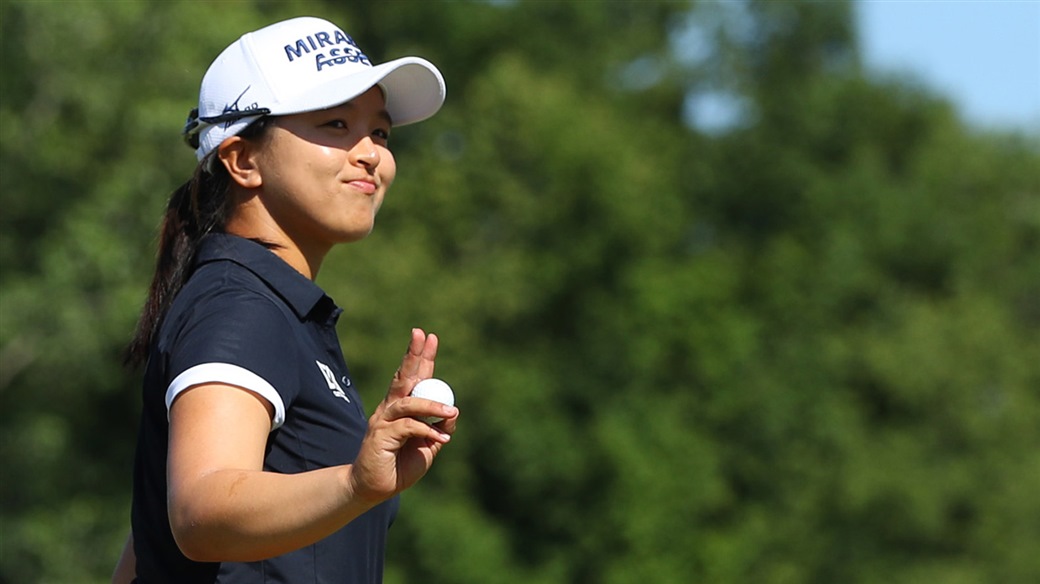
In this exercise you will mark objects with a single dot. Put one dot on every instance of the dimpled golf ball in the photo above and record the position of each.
(436, 390)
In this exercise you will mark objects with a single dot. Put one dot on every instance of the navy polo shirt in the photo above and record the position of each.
(248, 319)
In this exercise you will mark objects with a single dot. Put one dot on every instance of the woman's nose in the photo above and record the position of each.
(365, 153)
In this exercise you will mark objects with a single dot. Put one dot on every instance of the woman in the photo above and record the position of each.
(255, 462)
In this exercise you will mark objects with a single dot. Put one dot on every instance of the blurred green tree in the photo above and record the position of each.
(799, 346)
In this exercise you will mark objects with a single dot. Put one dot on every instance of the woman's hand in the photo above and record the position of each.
(398, 448)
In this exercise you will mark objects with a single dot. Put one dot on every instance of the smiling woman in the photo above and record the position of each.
(314, 180)
(255, 461)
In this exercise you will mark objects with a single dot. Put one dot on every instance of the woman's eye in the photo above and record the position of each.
(338, 124)
(381, 134)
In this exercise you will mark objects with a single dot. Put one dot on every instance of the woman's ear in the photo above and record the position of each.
(238, 156)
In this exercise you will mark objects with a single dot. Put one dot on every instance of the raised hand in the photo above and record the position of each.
(399, 448)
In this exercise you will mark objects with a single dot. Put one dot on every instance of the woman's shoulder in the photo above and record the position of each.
(225, 292)
(222, 278)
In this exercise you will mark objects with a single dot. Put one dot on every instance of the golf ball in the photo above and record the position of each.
(436, 390)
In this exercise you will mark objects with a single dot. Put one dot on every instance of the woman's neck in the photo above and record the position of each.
(251, 221)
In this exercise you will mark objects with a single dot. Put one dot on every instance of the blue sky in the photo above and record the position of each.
(983, 55)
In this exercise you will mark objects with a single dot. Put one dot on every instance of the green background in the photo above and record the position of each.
(804, 349)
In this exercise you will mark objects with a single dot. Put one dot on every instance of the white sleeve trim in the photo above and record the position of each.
(231, 375)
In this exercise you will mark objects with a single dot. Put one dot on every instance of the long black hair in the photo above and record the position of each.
(196, 208)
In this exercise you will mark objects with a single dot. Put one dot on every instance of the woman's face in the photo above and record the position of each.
(324, 173)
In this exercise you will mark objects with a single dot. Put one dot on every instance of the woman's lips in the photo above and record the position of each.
(365, 186)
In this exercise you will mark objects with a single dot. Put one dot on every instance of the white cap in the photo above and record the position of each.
(301, 65)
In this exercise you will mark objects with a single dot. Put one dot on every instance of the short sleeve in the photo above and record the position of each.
(236, 337)
(228, 374)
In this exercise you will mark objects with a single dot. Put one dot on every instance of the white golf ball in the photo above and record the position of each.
(436, 390)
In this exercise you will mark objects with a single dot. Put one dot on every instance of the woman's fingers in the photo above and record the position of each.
(421, 409)
(417, 364)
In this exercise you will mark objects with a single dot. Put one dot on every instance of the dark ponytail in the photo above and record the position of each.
(198, 207)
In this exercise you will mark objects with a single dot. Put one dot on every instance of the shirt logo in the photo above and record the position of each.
(330, 379)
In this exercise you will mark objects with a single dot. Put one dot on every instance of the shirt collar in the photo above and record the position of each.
(305, 297)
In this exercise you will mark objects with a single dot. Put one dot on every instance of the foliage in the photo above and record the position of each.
(801, 348)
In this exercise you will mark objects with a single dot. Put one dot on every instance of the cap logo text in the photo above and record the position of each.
(337, 54)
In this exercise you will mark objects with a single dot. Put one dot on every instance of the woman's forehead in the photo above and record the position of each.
(370, 102)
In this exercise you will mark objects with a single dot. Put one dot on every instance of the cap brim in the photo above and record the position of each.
(413, 87)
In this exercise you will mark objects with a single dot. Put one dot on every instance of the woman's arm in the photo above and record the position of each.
(224, 507)
(126, 568)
